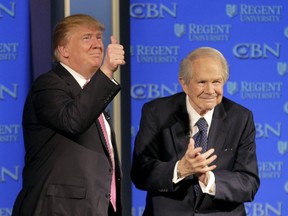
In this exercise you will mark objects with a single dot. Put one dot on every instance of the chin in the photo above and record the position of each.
(210, 106)
(96, 65)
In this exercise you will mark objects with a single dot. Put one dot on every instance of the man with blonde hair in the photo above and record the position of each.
(71, 163)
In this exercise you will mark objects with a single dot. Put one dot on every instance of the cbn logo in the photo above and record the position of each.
(264, 209)
(152, 10)
(9, 10)
(256, 50)
(13, 173)
(12, 92)
(151, 91)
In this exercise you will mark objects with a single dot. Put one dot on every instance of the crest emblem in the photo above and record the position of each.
(231, 10)
(286, 32)
(179, 29)
(282, 68)
(232, 87)
(286, 107)
(282, 147)
(131, 50)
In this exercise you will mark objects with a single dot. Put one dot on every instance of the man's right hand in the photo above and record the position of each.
(195, 163)
(113, 58)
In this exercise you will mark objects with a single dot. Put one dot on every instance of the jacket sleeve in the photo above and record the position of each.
(153, 159)
(59, 106)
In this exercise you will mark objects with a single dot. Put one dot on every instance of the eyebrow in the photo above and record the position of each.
(90, 33)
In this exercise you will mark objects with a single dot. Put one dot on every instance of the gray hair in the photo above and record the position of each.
(186, 69)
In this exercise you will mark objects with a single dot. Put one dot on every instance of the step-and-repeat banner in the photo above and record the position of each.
(14, 82)
(253, 36)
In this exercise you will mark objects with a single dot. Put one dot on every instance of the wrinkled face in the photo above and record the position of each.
(205, 89)
(84, 50)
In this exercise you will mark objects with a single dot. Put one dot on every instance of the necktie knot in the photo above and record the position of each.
(202, 124)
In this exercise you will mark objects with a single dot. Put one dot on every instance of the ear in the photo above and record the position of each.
(63, 51)
(183, 84)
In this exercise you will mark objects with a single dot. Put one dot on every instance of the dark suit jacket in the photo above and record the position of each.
(163, 139)
(67, 167)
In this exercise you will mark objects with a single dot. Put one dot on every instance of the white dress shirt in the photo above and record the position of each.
(193, 118)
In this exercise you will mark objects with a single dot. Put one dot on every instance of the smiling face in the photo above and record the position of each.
(83, 50)
(205, 88)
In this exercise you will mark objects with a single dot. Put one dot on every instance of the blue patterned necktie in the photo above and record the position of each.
(200, 139)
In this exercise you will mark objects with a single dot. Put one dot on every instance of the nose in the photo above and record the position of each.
(96, 42)
(209, 88)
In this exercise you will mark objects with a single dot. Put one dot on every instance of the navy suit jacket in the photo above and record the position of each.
(162, 140)
(67, 166)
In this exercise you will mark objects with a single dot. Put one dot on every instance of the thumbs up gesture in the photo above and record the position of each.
(113, 58)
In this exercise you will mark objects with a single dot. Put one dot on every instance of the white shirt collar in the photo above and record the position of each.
(194, 117)
(78, 77)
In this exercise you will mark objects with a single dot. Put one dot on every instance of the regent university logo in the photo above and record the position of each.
(282, 147)
(179, 29)
(231, 10)
(282, 68)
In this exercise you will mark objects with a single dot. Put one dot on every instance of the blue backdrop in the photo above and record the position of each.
(14, 82)
(253, 36)
(16, 73)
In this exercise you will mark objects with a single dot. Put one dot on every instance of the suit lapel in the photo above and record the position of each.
(74, 87)
(216, 137)
(217, 132)
(180, 129)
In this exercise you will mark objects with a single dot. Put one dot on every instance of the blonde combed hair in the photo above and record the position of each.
(64, 28)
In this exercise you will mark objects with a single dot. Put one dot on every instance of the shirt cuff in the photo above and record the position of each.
(210, 188)
(175, 179)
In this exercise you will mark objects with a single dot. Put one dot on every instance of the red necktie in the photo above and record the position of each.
(113, 183)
